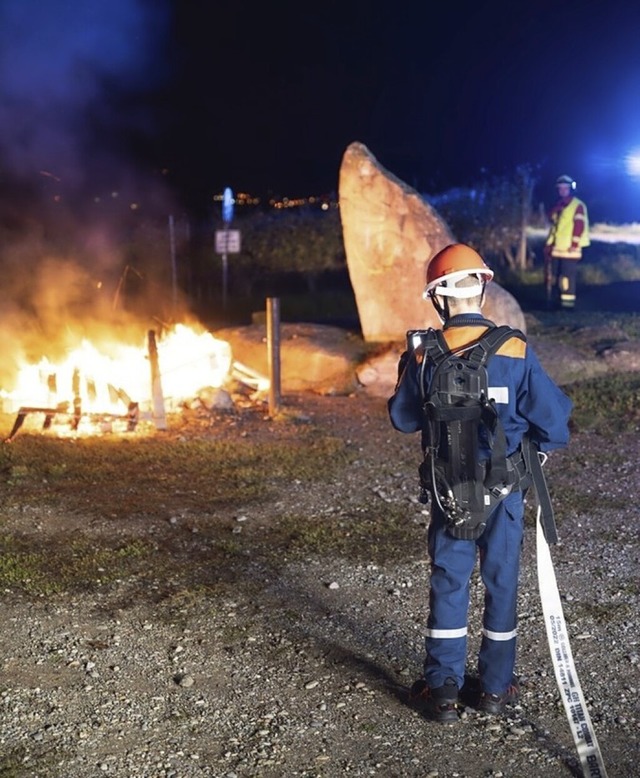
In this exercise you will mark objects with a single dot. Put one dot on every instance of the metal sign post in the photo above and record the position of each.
(227, 242)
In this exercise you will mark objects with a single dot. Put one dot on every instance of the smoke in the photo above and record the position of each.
(78, 87)
(66, 66)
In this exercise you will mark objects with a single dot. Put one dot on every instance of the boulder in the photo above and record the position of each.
(390, 233)
(378, 373)
(314, 358)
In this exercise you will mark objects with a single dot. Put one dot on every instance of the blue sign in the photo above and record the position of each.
(227, 205)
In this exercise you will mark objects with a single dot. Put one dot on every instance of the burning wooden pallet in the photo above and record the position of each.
(74, 413)
(75, 416)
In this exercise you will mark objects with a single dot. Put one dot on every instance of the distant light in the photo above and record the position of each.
(134, 206)
(227, 205)
(325, 206)
(632, 163)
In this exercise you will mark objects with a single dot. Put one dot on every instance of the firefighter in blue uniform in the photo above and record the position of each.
(528, 403)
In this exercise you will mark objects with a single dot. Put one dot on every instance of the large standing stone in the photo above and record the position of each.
(390, 233)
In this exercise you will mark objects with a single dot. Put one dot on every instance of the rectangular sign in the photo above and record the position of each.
(227, 241)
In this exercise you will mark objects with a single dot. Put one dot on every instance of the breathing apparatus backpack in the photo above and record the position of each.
(460, 424)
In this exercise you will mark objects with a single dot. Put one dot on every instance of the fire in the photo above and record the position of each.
(94, 382)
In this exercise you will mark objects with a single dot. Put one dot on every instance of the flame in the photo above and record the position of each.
(100, 383)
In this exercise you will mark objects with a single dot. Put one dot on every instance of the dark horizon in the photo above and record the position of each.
(174, 101)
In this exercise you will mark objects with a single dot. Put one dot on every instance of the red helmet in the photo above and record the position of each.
(450, 265)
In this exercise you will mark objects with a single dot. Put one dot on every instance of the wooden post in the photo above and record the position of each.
(157, 398)
(273, 353)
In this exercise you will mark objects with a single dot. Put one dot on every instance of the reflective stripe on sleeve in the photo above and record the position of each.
(499, 635)
(447, 633)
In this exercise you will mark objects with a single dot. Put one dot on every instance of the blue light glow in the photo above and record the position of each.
(632, 163)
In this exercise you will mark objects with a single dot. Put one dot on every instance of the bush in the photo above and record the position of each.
(492, 216)
(603, 268)
(279, 245)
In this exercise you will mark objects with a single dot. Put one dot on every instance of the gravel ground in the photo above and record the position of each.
(302, 668)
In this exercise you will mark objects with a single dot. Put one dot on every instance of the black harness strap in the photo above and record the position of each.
(489, 344)
(534, 467)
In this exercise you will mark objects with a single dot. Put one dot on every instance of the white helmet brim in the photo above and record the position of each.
(446, 287)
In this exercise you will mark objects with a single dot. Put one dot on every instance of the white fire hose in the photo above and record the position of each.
(575, 707)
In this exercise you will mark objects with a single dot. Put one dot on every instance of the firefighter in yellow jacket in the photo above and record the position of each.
(568, 235)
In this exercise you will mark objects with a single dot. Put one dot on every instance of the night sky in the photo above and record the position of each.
(265, 97)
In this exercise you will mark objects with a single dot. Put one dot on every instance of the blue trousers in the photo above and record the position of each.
(452, 563)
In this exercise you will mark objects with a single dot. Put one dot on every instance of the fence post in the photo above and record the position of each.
(273, 353)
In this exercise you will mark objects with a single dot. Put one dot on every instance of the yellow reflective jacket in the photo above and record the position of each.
(565, 237)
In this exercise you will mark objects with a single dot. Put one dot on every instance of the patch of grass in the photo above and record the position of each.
(368, 535)
(629, 589)
(11, 764)
(132, 487)
(569, 326)
(358, 534)
(607, 404)
(44, 764)
(24, 570)
(569, 464)
(568, 501)
(75, 566)
(600, 613)
(115, 476)
(608, 264)
(629, 324)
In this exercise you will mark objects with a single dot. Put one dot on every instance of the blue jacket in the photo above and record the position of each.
(527, 400)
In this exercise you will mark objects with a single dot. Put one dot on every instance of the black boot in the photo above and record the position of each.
(439, 703)
(494, 704)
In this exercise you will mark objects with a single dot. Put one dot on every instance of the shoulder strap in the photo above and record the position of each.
(491, 341)
(488, 344)
(436, 348)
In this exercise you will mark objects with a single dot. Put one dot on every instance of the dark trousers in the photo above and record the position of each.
(565, 272)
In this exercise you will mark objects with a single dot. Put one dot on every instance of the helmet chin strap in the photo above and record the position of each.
(442, 308)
